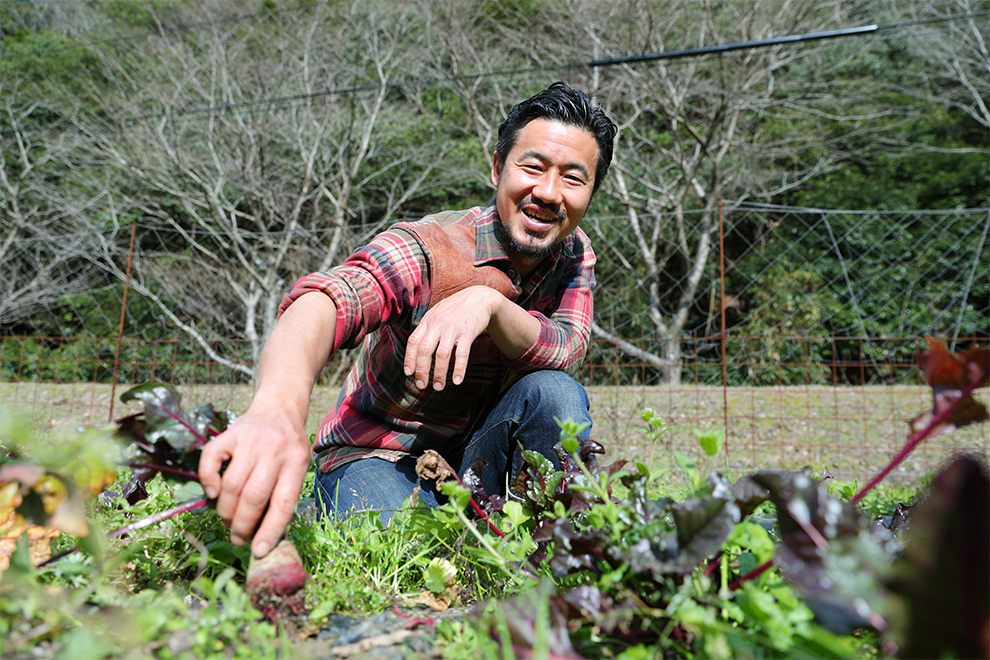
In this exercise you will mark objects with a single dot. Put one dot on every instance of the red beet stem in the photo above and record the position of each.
(753, 574)
(477, 508)
(913, 441)
(164, 468)
(158, 517)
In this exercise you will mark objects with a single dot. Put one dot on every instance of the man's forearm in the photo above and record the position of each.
(266, 450)
(512, 328)
(296, 352)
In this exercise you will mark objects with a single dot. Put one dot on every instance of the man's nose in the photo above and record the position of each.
(548, 188)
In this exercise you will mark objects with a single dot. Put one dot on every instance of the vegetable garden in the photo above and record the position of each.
(169, 167)
(117, 554)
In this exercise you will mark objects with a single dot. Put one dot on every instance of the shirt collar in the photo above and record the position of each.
(487, 247)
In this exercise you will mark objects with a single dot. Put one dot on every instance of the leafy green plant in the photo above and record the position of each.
(647, 576)
(583, 561)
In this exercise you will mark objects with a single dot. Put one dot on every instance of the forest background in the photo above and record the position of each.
(823, 201)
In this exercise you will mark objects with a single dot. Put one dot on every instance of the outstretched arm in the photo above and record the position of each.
(268, 449)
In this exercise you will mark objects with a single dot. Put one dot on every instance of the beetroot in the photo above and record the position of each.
(276, 582)
(169, 441)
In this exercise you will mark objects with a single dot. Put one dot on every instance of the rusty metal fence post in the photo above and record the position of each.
(120, 329)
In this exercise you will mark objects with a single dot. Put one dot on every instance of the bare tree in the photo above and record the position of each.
(261, 159)
(251, 152)
(39, 263)
(950, 41)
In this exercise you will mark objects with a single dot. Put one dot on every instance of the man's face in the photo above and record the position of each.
(544, 188)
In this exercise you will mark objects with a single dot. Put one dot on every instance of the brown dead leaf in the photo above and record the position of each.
(435, 603)
(431, 465)
(39, 544)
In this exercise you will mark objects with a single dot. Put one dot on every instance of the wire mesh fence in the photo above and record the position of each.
(797, 336)
(791, 287)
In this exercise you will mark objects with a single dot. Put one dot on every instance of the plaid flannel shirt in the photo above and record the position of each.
(382, 292)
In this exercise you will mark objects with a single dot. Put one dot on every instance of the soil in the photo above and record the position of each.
(401, 634)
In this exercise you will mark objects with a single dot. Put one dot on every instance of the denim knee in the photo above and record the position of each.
(526, 415)
(554, 395)
(369, 484)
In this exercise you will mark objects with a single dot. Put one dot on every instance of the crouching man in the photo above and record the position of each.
(467, 320)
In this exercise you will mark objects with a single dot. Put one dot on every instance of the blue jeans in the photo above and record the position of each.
(525, 415)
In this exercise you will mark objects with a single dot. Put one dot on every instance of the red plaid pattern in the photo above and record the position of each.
(382, 292)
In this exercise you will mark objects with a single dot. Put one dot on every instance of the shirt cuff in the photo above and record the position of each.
(344, 299)
(554, 349)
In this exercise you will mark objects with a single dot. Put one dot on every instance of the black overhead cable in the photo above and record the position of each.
(285, 101)
(740, 45)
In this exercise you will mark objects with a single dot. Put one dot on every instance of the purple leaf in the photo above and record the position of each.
(828, 552)
(703, 525)
(472, 481)
(167, 438)
(573, 552)
(520, 616)
(943, 578)
(164, 418)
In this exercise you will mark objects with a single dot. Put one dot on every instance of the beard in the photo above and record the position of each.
(512, 246)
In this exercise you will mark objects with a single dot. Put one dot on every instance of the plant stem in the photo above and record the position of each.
(752, 575)
(160, 516)
(913, 441)
(140, 524)
(478, 510)
(162, 468)
(601, 492)
(501, 563)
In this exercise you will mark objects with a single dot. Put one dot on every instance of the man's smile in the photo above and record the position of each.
(539, 220)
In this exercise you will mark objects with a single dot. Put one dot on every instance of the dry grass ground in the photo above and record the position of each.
(852, 430)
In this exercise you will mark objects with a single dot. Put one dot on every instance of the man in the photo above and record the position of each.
(468, 320)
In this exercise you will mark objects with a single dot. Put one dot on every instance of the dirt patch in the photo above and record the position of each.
(400, 634)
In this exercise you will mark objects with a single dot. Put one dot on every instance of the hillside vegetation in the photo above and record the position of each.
(248, 143)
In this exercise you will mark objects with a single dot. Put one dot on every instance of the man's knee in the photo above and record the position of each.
(557, 394)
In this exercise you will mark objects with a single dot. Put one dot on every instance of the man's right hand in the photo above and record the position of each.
(268, 454)
(450, 328)
(267, 448)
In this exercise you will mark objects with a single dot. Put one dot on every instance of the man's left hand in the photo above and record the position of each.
(449, 329)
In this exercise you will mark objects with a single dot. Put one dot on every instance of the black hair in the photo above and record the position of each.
(560, 102)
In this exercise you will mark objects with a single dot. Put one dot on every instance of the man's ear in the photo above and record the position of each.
(496, 169)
